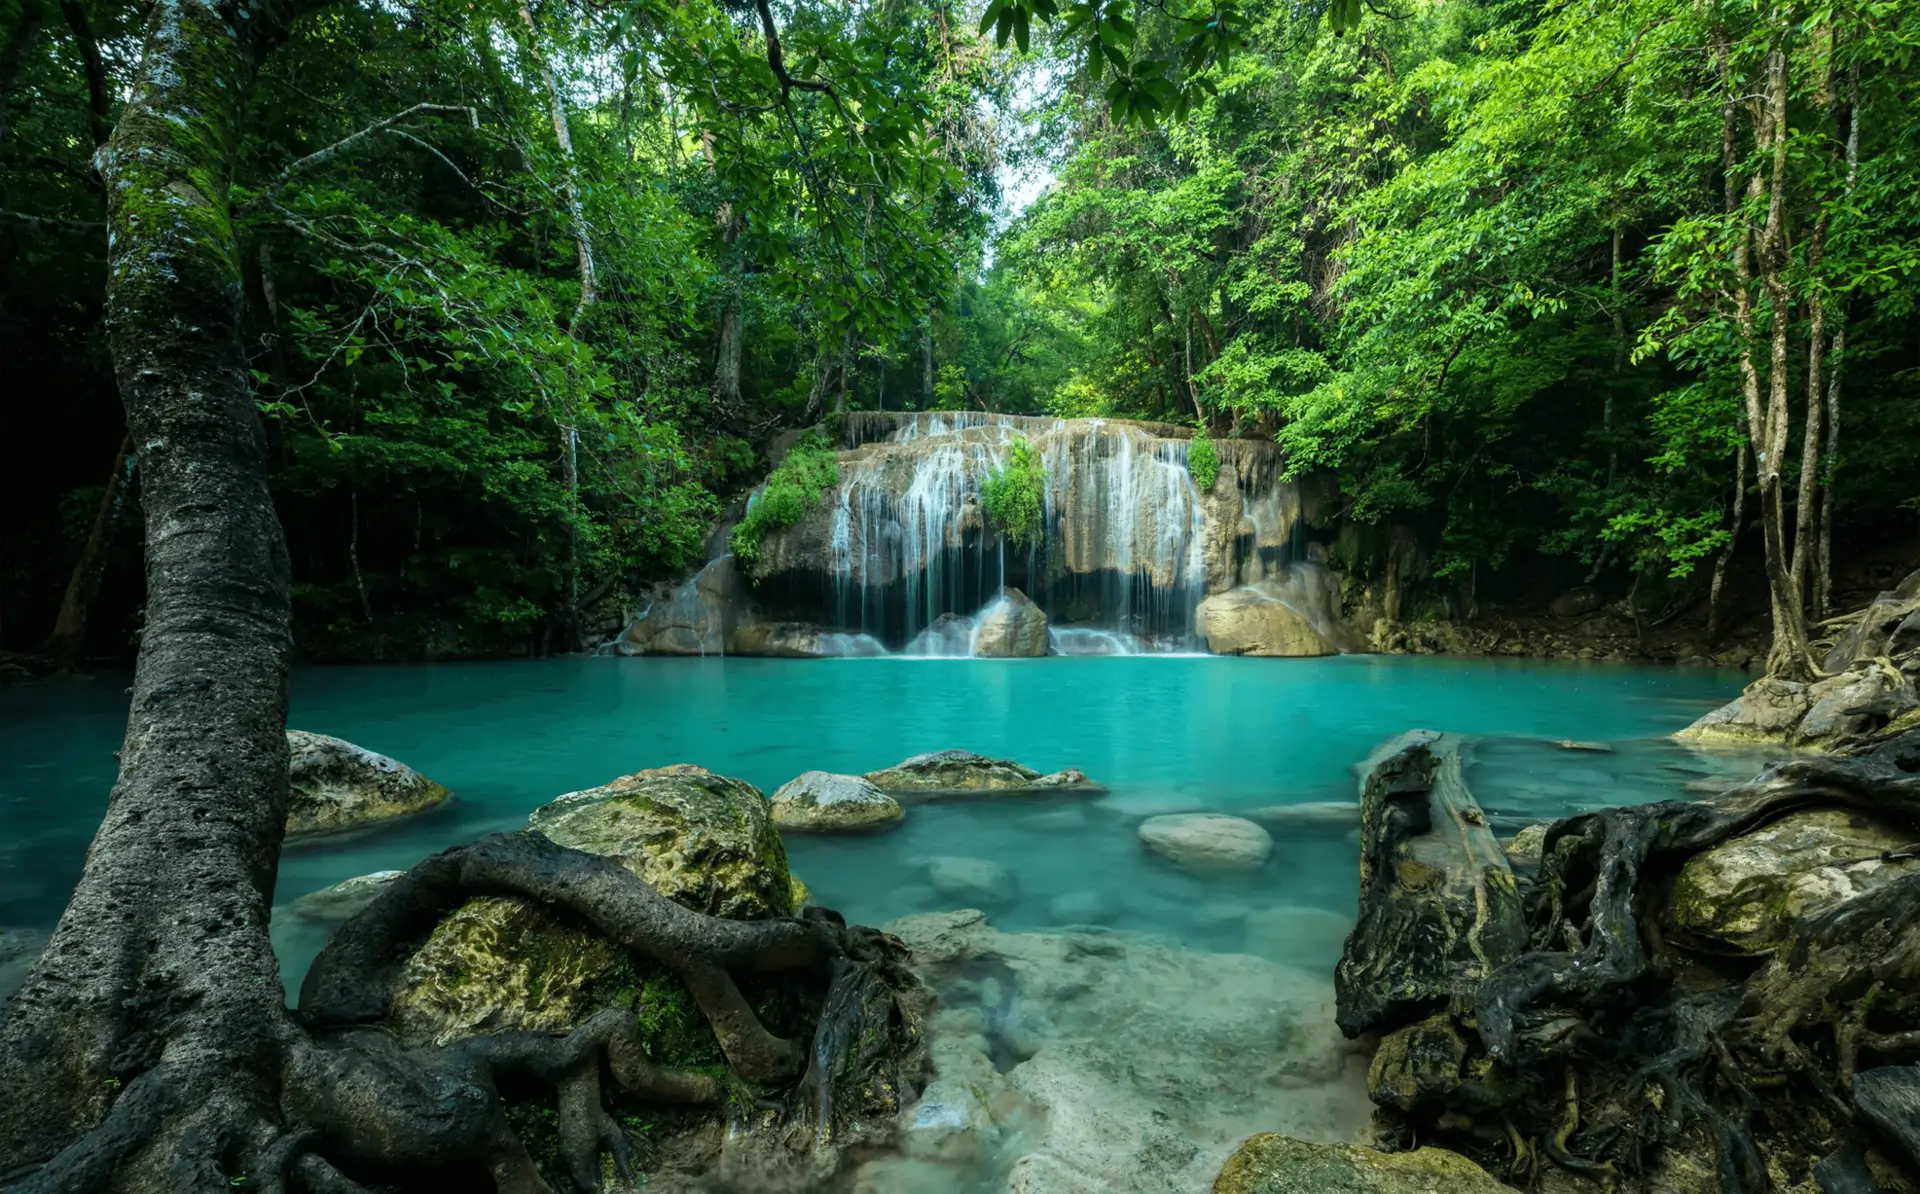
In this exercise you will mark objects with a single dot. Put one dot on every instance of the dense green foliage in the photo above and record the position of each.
(1534, 282)
(805, 474)
(1203, 461)
(1015, 496)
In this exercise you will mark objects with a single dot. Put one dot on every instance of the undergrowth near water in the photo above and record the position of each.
(804, 476)
(1015, 496)
(1203, 461)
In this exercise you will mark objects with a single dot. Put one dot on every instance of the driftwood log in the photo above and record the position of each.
(1600, 1046)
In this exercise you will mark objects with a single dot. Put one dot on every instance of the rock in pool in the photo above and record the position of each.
(343, 901)
(1275, 1164)
(822, 802)
(337, 785)
(499, 964)
(1254, 620)
(961, 772)
(1207, 841)
(972, 882)
(1011, 626)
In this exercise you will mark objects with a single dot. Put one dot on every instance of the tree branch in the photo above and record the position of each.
(777, 61)
(321, 157)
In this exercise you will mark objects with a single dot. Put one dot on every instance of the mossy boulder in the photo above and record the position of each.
(703, 840)
(337, 785)
(821, 802)
(1745, 895)
(1273, 1164)
(495, 964)
(961, 772)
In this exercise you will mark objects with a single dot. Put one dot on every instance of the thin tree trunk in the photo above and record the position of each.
(1823, 584)
(1807, 498)
(846, 371)
(158, 1001)
(13, 58)
(69, 637)
(589, 291)
(353, 556)
(727, 357)
(1733, 541)
(99, 97)
(926, 364)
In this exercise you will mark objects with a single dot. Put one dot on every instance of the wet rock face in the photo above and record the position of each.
(337, 785)
(821, 802)
(1254, 620)
(1010, 627)
(692, 618)
(1745, 895)
(497, 964)
(1274, 1164)
(1207, 841)
(960, 772)
(1097, 1062)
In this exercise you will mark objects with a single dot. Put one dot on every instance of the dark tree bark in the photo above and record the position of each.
(99, 95)
(156, 1008)
(13, 58)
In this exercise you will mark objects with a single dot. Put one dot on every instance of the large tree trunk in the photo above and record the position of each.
(69, 637)
(158, 998)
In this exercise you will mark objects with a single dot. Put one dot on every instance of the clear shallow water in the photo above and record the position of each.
(1166, 734)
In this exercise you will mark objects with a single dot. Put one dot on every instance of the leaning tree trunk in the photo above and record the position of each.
(69, 637)
(158, 1000)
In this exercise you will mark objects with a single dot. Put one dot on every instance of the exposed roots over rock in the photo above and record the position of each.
(347, 1107)
(1611, 1050)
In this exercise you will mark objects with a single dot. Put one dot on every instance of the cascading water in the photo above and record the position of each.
(901, 548)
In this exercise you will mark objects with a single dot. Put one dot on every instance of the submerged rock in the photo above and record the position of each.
(1099, 1062)
(800, 640)
(337, 785)
(1274, 1164)
(822, 802)
(345, 899)
(1207, 841)
(1254, 620)
(955, 772)
(1746, 895)
(499, 964)
(1011, 626)
(1339, 813)
(972, 882)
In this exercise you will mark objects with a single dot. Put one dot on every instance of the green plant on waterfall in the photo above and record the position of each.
(805, 474)
(1015, 495)
(1203, 460)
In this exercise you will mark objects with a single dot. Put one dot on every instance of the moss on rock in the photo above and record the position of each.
(497, 964)
(1275, 1164)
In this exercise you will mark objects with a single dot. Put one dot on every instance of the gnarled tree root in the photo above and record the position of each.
(342, 1105)
(1759, 1068)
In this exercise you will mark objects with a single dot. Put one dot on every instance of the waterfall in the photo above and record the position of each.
(901, 549)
